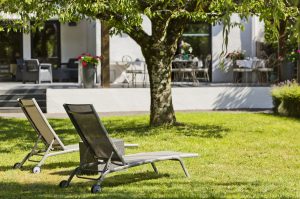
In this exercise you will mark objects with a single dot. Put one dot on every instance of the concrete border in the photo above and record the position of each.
(184, 99)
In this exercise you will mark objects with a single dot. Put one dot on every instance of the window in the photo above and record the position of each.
(45, 43)
(199, 37)
(11, 45)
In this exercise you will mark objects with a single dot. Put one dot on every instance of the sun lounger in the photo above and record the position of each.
(99, 143)
(53, 145)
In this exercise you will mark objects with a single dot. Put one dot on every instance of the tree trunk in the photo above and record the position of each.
(161, 109)
(159, 49)
(105, 76)
(298, 66)
(281, 47)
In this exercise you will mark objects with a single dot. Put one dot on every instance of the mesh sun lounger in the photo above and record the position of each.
(97, 140)
(53, 145)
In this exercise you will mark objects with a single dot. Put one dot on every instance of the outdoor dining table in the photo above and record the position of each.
(181, 67)
(248, 66)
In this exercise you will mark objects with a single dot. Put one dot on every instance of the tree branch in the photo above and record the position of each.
(139, 35)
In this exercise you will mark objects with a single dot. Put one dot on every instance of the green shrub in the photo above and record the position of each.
(286, 99)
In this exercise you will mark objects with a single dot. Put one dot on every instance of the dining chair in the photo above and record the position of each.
(204, 69)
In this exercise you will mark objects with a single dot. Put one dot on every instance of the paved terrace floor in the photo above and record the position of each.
(67, 85)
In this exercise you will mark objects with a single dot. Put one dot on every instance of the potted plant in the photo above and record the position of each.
(236, 55)
(185, 49)
(89, 64)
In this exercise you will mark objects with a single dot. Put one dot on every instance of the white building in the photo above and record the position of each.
(60, 42)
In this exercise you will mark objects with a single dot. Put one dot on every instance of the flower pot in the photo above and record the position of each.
(186, 57)
(88, 76)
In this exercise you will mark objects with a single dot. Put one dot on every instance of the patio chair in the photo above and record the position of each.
(20, 69)
(69, 71)
(36, 72)
(53, 145)
(99, 143)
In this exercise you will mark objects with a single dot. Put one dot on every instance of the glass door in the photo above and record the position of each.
(198, 37)
(11, 49)
(45, 43)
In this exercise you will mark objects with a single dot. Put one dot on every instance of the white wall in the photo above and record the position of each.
(138, 99)
(78, 39)
(75, 40)
(26, 46)
(121, 45)
(237, 40)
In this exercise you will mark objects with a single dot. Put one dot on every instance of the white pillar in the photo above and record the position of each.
(98, 47)
(26, 46)
(253, 37)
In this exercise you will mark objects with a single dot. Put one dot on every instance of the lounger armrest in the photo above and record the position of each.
(129, 145)
(45, 65)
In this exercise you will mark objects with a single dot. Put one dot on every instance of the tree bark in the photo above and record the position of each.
(161, 109)
(281, 47)
(298, 66)
(105, 76)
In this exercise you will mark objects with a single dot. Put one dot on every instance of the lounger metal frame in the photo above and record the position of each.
(53, 146)
(107, 153)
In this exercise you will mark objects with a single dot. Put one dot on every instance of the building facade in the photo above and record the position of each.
(57, 43)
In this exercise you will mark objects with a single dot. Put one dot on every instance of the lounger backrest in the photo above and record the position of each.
(39, 122)
(92, 132)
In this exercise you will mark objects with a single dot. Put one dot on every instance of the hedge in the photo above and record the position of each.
(286, 99)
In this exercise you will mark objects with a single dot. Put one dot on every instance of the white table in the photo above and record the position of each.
(181, 67)
(247, 66)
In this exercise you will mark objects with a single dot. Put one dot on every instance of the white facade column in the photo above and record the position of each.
(26, 46)
(98, 48)
(253, 37)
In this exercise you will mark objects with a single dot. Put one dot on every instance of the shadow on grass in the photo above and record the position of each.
(148, 188)
(138, 128)
(118, 180)
(277, 116)
(49, 166)
(20, 135)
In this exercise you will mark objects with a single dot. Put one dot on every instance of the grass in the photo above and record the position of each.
(242, 155)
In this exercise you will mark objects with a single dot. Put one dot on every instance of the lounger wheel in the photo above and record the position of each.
(36, 170)
(96, 188)
(17, 165)
(63, 184)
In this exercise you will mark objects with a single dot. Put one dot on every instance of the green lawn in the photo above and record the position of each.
(242, 155)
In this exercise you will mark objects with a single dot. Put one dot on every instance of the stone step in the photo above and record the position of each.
(23, 91)
(27, 96)
(14, 103)
(10, 110)
(8, 98)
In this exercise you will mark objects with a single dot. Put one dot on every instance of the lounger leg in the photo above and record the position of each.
(154, 167)
(183, 167)
(105, 170)
(31, 153)
(46, 154)
(75, 172)
(102, 176)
